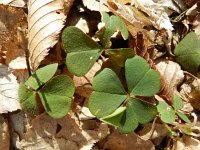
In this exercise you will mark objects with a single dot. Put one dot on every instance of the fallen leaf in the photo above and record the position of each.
(8, 91)
(45, 21)
(64, 133)
(117, 141)
(159, 132)
(4, 133)
(15, 3)
(11, 19)
(187, 143)
(95, 5)
(158, 12)
(172, 73)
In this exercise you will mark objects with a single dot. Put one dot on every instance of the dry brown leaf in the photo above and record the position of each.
(60, 134)
(8, 91)
(117, 141)
(172, 73)
(16, 3)
(158, 12)
(4, 134)
(11, 18)
(159, 132)
(45, 21)
(95, 5)
(187, 143)
(123, 1)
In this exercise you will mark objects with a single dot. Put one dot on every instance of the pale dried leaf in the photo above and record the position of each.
(45, 21)
(187, 143)
(16, 3)
(159, 132)
(123, 1)
(18, 63)
(4, 134)
(95, 5)
(172, 73)
(8, 91)
(65, 133)
(158, 12)
(117, 141)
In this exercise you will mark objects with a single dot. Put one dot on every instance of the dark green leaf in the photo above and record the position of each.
(27, 100)
(56, 96)
(82, 51)
(188, 52)
(108, 93)
(112, 24)
(140, 78)
(41, 76)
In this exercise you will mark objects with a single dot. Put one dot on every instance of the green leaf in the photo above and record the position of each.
(140, 78)
(137, 112)
(177, 102)
(108, 93)
(120, 55)
(115, 117)
(112, 24)
(41, 76)
(166, 112)
(56, 96)
(82, 51)
(27, 100)
(183, 117)
(188, 52)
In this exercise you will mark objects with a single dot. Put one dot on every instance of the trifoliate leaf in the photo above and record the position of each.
(82, 51)
(112, 24)
(56, 96)
(140, 78)
(108, 93)
(167, 114)
(188, 52)
(41, 76)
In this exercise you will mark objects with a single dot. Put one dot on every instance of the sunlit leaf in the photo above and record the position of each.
(188, 52)
(82, 51)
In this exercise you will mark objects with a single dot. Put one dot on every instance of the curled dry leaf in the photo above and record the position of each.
(117, 141)
(187, 143)
(65, 133)
(16, 3)
(4, 134)
(8, 91)
(95, 5)
(158, 12)
(172, 73)
(45, 21)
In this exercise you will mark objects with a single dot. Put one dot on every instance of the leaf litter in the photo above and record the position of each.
(154, 19)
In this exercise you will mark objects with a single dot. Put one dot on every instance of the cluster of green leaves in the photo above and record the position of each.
(188, 52)
(54, 93)
(168, 113)
(111, 101)
(83, 52)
